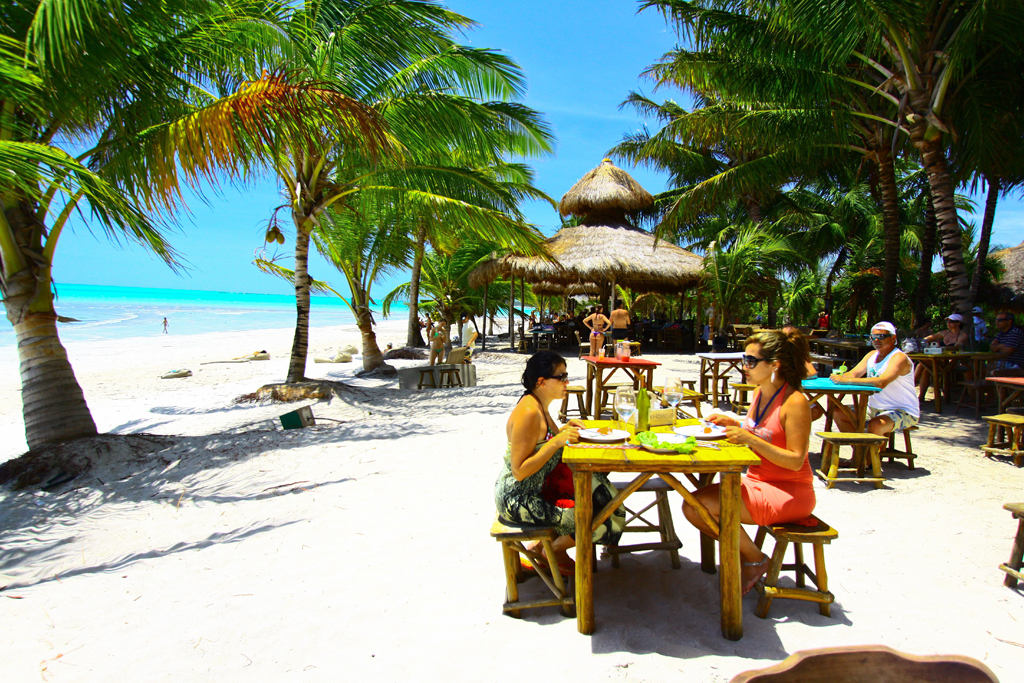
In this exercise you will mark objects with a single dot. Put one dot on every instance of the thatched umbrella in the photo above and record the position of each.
(1012, 282)
(604, 247)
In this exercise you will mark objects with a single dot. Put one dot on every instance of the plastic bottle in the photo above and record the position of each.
(643, 411)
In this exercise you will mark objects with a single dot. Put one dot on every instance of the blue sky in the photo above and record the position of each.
(581, 57)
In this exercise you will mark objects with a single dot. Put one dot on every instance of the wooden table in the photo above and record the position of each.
(600, 370)
(729, 461)
(711, 369)
(942, 364)
(817, 388)
(847, 350)
(1007, 389)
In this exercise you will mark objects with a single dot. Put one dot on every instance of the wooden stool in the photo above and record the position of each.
(512, 538)
(693, 398)
(892, 453)
(451, 377)
(797, 534)
(978, 387)
(634, 348)
(544, 342)
(581, 408)
(739, 395)
(606, 397)
(426, 373)
(863, 444)
(669, 541)
(1013, 425)
(1013, 567)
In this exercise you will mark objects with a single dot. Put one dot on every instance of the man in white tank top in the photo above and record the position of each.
(896, 405)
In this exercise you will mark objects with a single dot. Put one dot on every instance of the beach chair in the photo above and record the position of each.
(870, 664)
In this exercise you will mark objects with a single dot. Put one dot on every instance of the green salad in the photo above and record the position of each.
(654, 441)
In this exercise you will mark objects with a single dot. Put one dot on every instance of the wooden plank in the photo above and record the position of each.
(514, 607)
(729, 556)
(798, 594)
(584, 553)
(643, 547)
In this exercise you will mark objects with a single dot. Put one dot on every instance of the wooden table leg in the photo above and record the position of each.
(598, 392)
(860, 403)
(714, 383)
(703, 376)
(707, 544)
(729, 555)
(937, 386)
(584, 512)
(590, 388)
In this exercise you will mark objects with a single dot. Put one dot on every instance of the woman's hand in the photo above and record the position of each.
(722, 420)
(578, 424)
(569, 433)
(739, 435)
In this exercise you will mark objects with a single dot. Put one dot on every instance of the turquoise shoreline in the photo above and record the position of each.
(108, 312)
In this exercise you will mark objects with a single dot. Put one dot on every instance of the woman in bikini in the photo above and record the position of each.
(438, 334)
(954, 336)
(597, 322)
(777, 428)
(534, 486)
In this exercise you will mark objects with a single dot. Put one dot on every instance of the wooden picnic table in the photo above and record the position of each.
(600, 370)
(1007, 389)
(847, 350)
(711, 369)
(728, 459)
(941, 366)
(817, 388)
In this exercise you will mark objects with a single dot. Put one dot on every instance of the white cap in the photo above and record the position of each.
(977, 309)
(955, 317)
(888, 327)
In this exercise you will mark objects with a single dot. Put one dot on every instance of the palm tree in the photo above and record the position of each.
(114, 109)
(397, 57)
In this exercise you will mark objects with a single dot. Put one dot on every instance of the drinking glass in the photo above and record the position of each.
(625, 403)
(673, 391)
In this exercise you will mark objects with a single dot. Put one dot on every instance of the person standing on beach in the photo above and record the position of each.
(620, 323)
(165, 325)
(438, 340)
(597, 322)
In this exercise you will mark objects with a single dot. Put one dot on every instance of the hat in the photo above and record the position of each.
(888, 327)
(977, 309)
(955, 317)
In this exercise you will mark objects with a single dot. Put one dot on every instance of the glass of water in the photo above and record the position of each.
(673, 391)
(625, 403)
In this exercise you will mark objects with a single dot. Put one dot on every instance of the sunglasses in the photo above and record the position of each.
(879, 337)
(752, 361)
(564, 377)
(1002, 320)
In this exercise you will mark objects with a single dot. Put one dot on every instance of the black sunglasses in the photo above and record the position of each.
(1002, 320)
(752, 361)
(564, 377)
(879, 337)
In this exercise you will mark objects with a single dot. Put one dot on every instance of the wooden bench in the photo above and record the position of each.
(1007, 443)
(866, 448)
(907, 455)
(635, 522)
(870, 664)
(976, 389)
(513, 538)
(819, 535)
(1013, 567)
(581, 408)
(739, 396)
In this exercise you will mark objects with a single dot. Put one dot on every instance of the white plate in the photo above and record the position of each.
(698, 431)
(667, 437)
(594, 435)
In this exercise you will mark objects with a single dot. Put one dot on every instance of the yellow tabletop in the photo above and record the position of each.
(615, 458)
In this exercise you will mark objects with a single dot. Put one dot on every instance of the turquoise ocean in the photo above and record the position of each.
(106, 312)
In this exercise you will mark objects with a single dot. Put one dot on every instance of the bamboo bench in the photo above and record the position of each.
(1012, 425)
(784, 534)
(512, 538)
(866, 448)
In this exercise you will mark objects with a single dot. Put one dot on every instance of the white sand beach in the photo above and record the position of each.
(219, 547)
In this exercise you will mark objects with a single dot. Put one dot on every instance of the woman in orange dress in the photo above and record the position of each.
(777, 428)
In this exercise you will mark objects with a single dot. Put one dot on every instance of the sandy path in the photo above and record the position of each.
(360, 549)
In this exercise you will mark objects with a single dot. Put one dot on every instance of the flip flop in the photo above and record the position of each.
(753, 581)
(566, 569)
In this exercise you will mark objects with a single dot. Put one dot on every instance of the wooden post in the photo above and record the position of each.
(729, 555)
(511, 311)
(698, 322)
(483, 327)
(584, 512)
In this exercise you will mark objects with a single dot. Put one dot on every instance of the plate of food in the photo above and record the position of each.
(666, 443)
(703, 431)
(604, 435)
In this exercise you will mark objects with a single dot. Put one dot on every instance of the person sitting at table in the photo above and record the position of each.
(535, 486)
(896, 405)
(1009, 342)
(954, 336)
(598, 323)
(777, 428)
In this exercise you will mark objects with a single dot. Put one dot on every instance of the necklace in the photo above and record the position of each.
(760, 413)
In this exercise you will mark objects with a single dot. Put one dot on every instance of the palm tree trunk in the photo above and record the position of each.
(986, 235)
(771, 310)
(948, 227)
(300, 344)
(372, 357)
(413, 336)
(890, 230)
(924, 273)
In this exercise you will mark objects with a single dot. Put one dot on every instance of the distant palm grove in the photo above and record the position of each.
(823, 165)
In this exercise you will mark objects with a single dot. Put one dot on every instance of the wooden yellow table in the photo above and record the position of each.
(941, 366)
(728, 459)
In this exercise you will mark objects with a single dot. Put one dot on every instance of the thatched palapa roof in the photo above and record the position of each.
(606, 189)
(1013, 275)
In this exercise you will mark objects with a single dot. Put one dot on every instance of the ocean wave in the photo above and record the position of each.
(84, 324)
